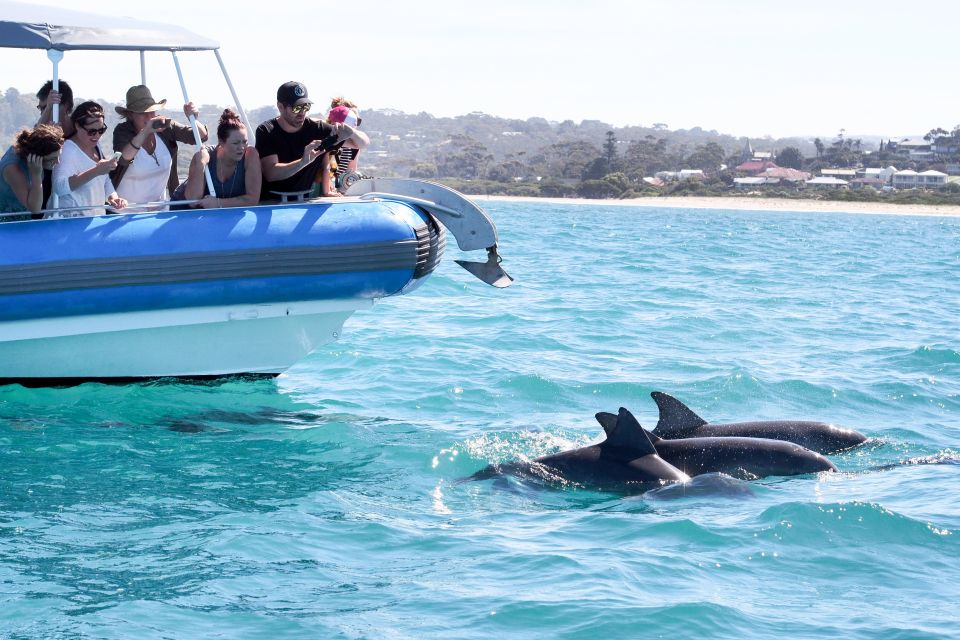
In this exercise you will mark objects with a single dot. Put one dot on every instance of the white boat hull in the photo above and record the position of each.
(198, 342)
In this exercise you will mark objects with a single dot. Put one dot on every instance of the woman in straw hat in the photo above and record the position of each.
(147, 170)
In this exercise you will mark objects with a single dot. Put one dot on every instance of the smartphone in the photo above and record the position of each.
(117, 155)
(159, 123)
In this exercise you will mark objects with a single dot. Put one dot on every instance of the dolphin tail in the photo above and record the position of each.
(676, 418)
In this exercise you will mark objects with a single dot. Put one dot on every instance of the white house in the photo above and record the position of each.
(878, 174)
(754, 181)
(827, 182)
(919, 149)
(908, 179)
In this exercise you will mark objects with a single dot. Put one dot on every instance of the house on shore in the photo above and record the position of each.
(827, 182)
(918, 149)
(875, 177)
(843, 174)
(909, 179)
(755, 167)
(752, 182)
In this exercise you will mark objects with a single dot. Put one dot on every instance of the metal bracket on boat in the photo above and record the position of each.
(490, 271)
(469, 224)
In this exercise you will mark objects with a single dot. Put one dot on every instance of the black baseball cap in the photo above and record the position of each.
(292, 93)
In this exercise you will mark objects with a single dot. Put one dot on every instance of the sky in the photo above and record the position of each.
(743, 67)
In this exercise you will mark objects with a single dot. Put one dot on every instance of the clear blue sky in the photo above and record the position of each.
(745, 67)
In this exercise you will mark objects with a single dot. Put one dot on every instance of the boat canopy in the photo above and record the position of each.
(27, 26)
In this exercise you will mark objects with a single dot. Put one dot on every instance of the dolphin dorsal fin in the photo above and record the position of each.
(608, 421)
(628, 433)
(676, 418)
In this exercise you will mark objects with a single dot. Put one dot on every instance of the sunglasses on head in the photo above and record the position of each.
(301, 108)
(95, 132)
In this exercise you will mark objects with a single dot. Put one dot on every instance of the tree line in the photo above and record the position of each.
(483, 153)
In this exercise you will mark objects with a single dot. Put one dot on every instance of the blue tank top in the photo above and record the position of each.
(235, 185)
(8, 199)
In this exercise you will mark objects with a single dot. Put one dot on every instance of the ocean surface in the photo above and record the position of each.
(328, 503)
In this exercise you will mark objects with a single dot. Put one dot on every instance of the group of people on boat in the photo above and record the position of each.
(294, 155)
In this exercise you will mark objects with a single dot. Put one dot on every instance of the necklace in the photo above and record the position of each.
(152, 154)
(230, 189)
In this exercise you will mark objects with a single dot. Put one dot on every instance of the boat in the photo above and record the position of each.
(207, 293)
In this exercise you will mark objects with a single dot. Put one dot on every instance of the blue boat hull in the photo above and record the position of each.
(263, 286)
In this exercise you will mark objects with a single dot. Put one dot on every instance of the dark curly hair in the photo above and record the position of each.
(229, 121)
(42, 140)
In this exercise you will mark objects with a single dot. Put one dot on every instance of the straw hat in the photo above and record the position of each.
(140, 100)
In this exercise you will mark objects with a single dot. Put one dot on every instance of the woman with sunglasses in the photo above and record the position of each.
(80, 179)
(148, 144)
(22, 167)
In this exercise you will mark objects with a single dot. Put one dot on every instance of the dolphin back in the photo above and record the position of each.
(744, 458)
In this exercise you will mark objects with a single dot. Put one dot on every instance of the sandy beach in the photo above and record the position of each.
(751, 204)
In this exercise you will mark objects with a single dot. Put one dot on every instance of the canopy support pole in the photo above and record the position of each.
(193, 123)
(143, 68)
(236, 100)
(55, 56)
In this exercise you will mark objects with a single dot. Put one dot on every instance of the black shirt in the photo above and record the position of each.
(272, 139)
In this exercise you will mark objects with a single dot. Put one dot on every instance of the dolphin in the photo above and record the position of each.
(742, 458)
(625, 459)
(677, 420)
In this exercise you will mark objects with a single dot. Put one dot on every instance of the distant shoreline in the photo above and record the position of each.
(750, 204)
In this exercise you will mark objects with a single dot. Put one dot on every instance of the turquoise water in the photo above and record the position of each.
(326, 504)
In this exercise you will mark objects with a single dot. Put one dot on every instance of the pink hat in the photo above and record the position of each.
(342, 114)
(338, 114)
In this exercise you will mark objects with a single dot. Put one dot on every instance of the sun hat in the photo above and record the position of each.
(140, 100)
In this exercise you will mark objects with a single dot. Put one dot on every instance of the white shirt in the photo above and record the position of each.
(94, 192)
(146, 178)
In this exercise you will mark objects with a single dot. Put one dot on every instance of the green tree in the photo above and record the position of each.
(464, 158)
(424, 170)
(790, 157)
(707, 157)
(553, 188)
(507, 171)
(565, 159)
(598, 189)
(610, 151)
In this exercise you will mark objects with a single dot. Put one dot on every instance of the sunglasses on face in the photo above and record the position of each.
(301, 108)
(95, 132)
(359, 121)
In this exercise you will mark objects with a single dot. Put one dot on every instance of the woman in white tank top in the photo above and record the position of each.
(147, 141)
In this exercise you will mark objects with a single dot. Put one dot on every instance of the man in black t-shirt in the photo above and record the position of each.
(292, 146)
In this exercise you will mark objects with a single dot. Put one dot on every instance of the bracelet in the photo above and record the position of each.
(134, 146)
